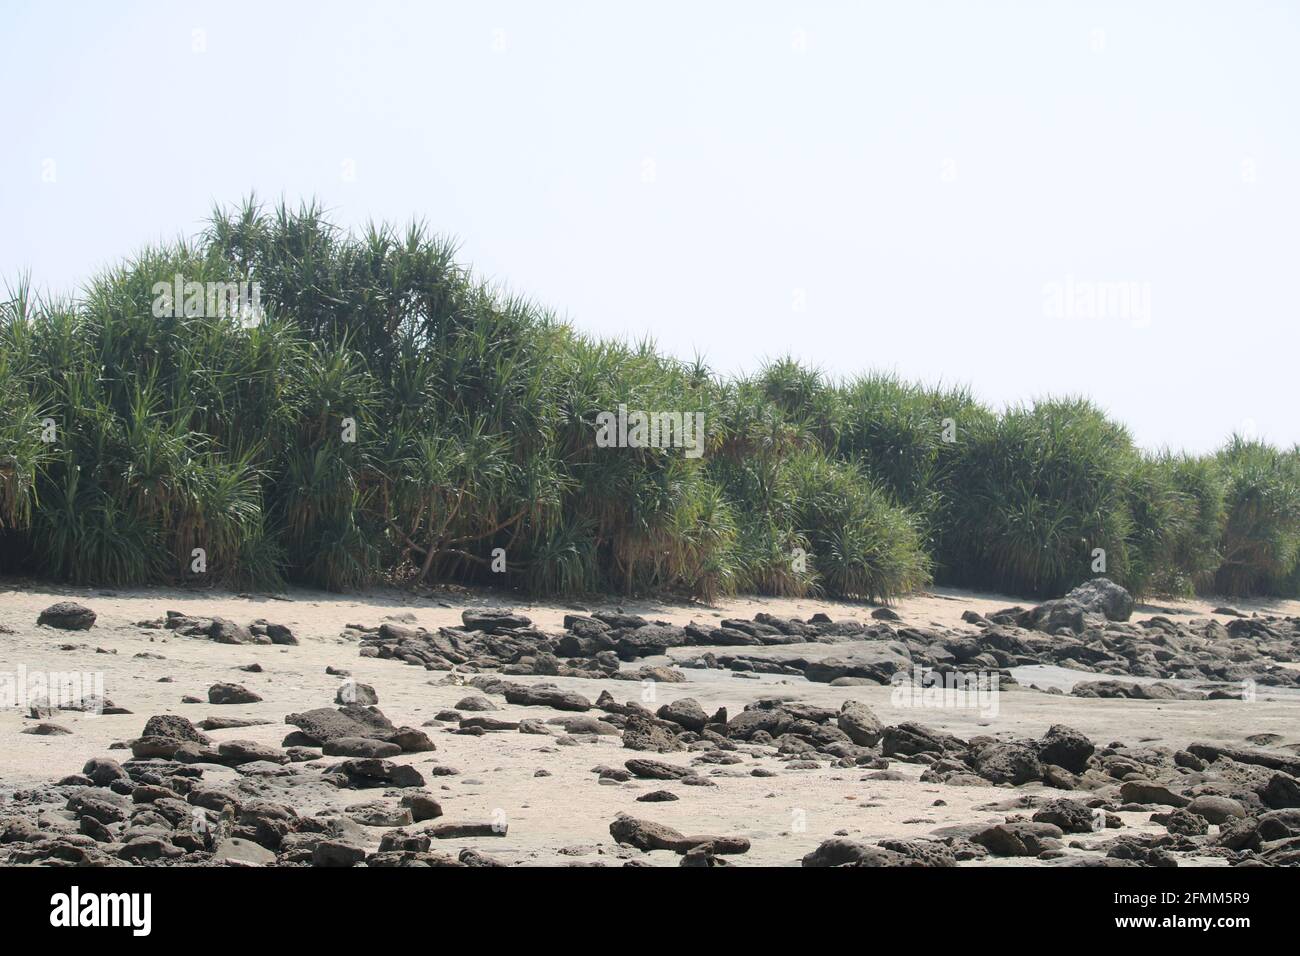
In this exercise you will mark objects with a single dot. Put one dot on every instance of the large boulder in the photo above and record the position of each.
(326, 723)
(1273, 760)
(645, 834)
(174, 727)
(545, 695)
(1103, 596)
(375, 772)
(1014, 763)
(641, 733)
(1138, 790)
(355, 692)
(67, 616)
(223, 693)
(1282, 792)
(1070, 815)
(861, 724)
(648, 641)
(907, 739)
(844, 852)
(1053, 616)
(225, 631)
(104, 771)
(874, 663)
(1066, 747)
(656, 769)
(336, 853)
(360, 747)
(1019, 838)
(493, 621)
(1217, 809)
(236, 753)
(686, 713)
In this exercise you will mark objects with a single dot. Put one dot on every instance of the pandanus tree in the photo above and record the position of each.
(388, 415)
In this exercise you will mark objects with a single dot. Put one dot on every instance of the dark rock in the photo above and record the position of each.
(1287, 763)
(545, 695)
(45, 729)
(843, 852)
(326, 723)
(370, 771)
(921, 853)
(1216, 809)
(861, 724)
(1054, 616)
(1103, 596)
(646, 835)
(1066, 747)
(149, 848)
(1014, 763)
(228, 632)
(360, 747)
(657, 796)
(1069, 815)
(1018, 838)
(231, 694)
(1184, 823)
(279, 634)
(1145, 791)
(908, 739)
(103, 771)
(644, 734)
(174, 727)
(336, 853)
(475, 702)
(422, 806)
(353, 692)
(656, 770)
(686, 712)
(67, 616)
(648, 640)
(463, 831)
(493, 621)
(412, 741)
(1281, 792)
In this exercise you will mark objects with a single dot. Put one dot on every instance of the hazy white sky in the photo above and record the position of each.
(895, 185)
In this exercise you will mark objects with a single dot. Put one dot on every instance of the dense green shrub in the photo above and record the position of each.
(1261, 533)
(1185, 550)
(389, 416)
(1031, 496)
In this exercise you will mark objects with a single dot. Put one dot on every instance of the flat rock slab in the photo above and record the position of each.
(328, 723)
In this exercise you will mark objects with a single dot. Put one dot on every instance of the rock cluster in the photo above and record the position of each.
(222, 630)
(157, 807)
(183, 799)
(1085, 631)
(593, 645)
(1205, 651)
(1240, 805)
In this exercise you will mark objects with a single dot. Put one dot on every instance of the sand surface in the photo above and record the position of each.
(565, 817)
